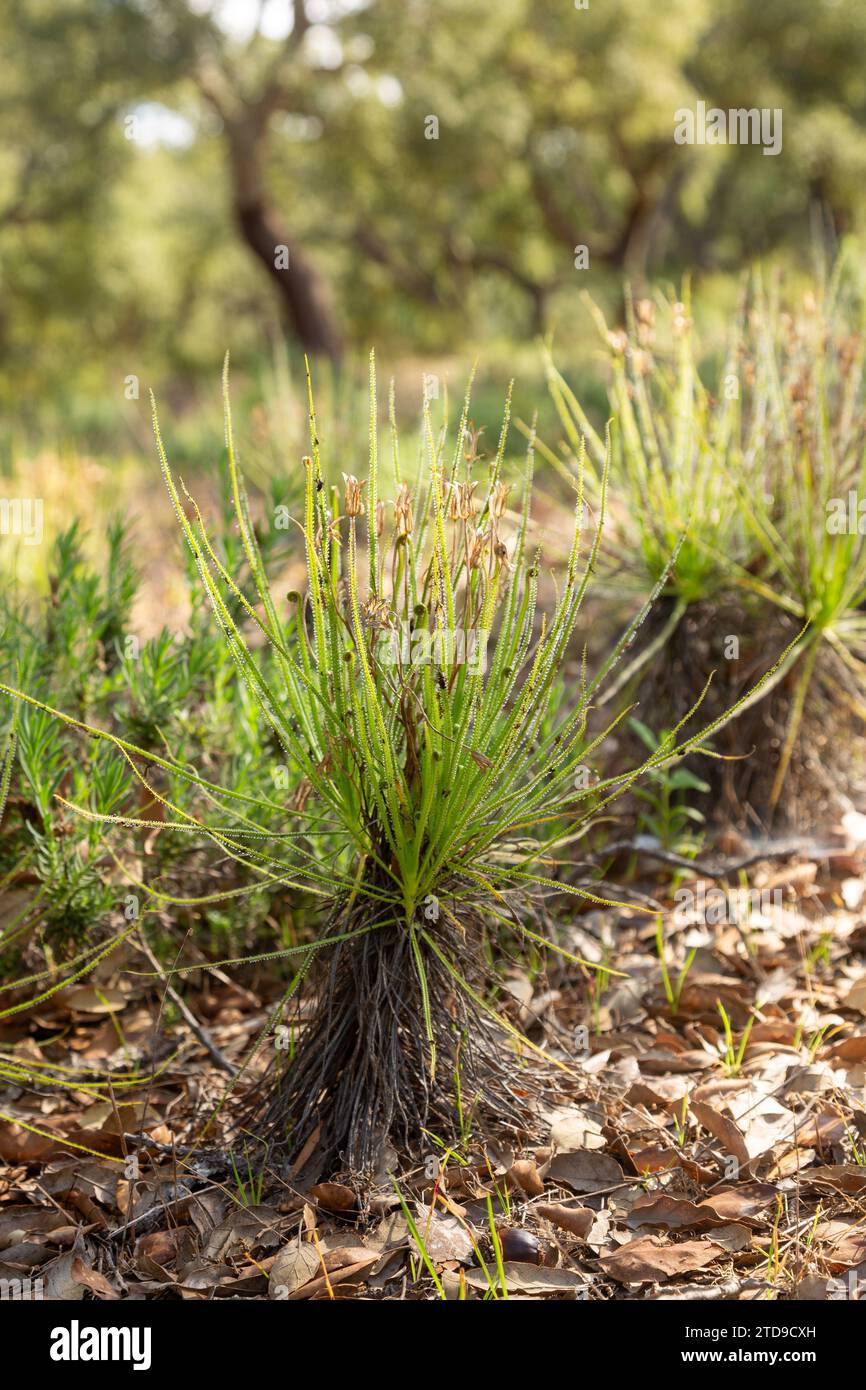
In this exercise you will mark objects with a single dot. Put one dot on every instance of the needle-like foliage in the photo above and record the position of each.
(414, 693)
(676, 526)
(751, 491)
(808, 521)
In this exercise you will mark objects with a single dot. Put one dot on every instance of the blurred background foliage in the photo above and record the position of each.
(153, 153)
(431, 167)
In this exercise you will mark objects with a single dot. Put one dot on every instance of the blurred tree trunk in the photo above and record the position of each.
(302, 290)
(303, 294)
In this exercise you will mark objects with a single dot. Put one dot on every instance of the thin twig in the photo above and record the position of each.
(195, 1027)
(648, 846)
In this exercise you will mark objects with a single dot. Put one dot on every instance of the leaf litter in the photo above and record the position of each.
(679, 1159)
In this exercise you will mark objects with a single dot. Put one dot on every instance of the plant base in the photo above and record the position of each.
(365, 1085)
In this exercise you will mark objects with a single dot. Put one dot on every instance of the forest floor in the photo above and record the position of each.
(682, 1156)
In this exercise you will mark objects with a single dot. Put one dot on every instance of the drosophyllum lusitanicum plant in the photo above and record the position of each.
(414, 691)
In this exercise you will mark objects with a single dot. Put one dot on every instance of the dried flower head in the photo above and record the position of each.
(471, 436)
(477, 546)
(403, 518)
(499, 500)
(377, 612)
(452, 503)
(353, 500)
(465, 501)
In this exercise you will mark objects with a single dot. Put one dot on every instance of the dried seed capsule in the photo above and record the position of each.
(499, 499)
(353, 500)
(403, 518)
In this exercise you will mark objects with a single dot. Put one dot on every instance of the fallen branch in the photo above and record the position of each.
(651, 849)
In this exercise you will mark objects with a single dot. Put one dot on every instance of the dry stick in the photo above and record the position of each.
(146, 1142)
(644, 844)
(195, 1027)
(153, 1213)
(730, 1289)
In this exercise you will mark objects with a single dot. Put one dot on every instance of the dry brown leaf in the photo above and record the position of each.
(343, 1255)
(573, 1130)
(334, 1196)
(578, 1220)
(200, 1276)
(527, 1279)
(822, 1130)
(293, 1266)
(20, 1221)
(740, 1203)
(91, 999)
(245, 1228)
(647, 1260)
(733, 1237)
(527, 1177)
(585, 1170)
(856, 996)
(325, 1284)
(443, 1236)
(82, 1273)
(61, 1284)
(662, 1093)
(673, 1213)
(841, 1243)
(723, 1128)
(850, 1049)
(790, 1164)
(19, 1145)
(654, 1158)
(842, 1177)
(656, 1063)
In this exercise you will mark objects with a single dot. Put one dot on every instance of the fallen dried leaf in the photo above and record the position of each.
(843, 1177)
(293, 1266)
(520, 1278)
(572, 1130)
(82, 1273)
(585, 1170)
(443, 1236)
(577, 1220)
(723, 1128)
(647, 1260)
(526, 1175)
(334, 1196)
(856, 996)
(845, 1243)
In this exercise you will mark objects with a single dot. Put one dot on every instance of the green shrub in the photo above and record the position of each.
(413, 694)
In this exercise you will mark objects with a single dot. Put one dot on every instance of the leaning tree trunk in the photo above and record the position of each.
(302, 291)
